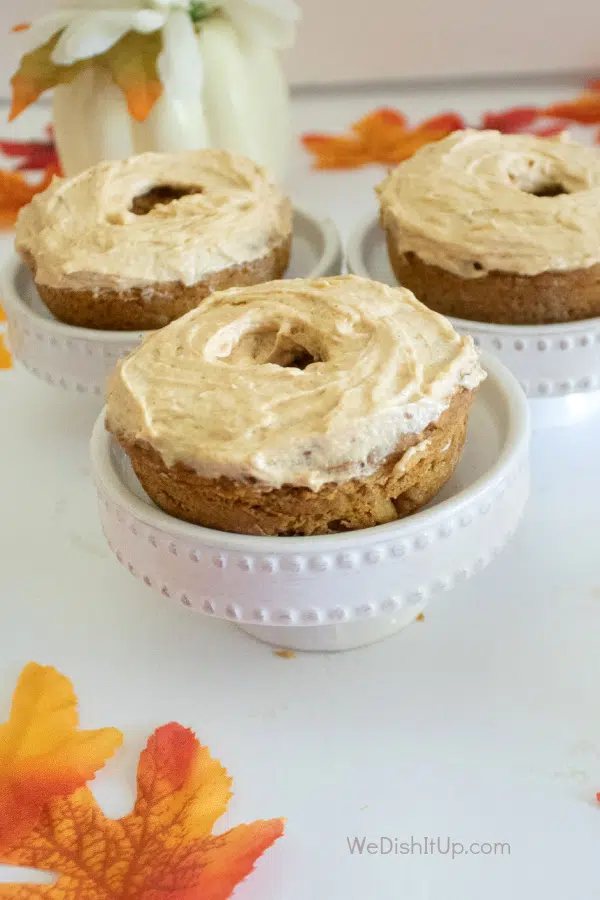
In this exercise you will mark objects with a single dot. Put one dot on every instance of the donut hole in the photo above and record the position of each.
(268, 345)
(547, 189)
(287, 351)
(297, 358)
(160, 195)
(538, 187)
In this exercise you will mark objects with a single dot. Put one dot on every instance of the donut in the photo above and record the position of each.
(296, 407)
(501, 228)
(133, 244)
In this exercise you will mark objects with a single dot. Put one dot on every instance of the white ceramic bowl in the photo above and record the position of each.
(558, 366)
(79, 359)
(335, 591)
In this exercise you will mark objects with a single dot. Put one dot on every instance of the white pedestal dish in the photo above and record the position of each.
(331, 592)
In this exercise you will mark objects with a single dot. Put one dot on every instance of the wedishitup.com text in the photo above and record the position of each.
(424, 846)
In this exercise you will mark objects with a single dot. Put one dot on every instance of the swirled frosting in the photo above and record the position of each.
(82, 233)
(480, 201)
(298, 382)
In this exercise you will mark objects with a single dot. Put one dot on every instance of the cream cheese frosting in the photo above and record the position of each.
(82, 234)
(297, 382)
(474, 203)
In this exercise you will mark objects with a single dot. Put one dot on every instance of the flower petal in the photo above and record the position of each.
(93, 33)
(148, 20)
(180, 62)
(41, 31)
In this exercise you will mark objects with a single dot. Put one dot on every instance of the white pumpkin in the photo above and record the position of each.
(223, 85)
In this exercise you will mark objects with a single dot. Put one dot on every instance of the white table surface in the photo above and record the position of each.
(481, 723)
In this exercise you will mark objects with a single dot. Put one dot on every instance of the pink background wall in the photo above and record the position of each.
(355, 40)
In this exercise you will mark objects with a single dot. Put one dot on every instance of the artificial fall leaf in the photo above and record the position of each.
(447, 122)
(131, 63)
(380, 137)
(585, 110)
(34, 155)
(162, 850)
(382, 127)
(2, 314)
(550, 130)
(511, 121)
(335, 152)
(426, 132)
(5, 363)
(523, 120)
(379, 133)
(37, 74)
(42, 754)
(16, 191)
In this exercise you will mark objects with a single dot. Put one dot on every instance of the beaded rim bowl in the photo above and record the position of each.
(331, 591)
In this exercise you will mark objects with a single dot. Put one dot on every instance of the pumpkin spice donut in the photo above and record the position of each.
(297, 407)
(498, 228)
(134, 244)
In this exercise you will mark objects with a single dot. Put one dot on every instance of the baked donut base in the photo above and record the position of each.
(500, 297)
(154, 306)
(246, 508)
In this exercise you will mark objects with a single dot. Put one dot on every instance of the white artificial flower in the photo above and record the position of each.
(180, 43)
(89, 32)
(91, 27)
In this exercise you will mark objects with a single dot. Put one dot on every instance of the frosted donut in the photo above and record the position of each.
(296, 407)
(498, 228)
(136, 243)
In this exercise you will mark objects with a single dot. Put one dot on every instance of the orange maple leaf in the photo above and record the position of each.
(37, 74)
(585, 110)
(131, 63)
(5, 357)
(16, 191)
(162, 850)
(42, 754)
(380, 137)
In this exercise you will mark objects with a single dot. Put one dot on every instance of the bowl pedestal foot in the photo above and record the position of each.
(345, 636)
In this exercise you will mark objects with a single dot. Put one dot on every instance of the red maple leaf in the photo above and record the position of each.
(36, 156)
